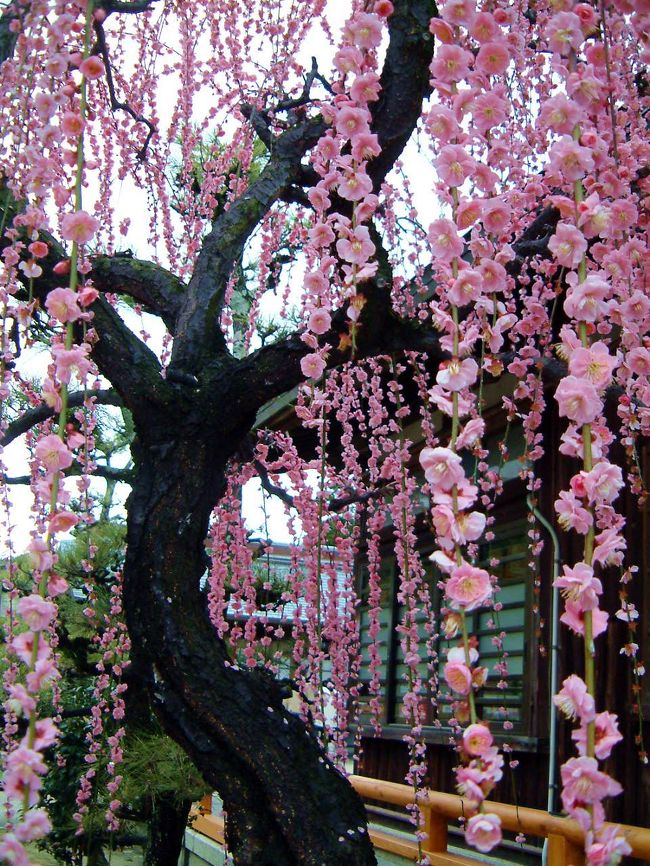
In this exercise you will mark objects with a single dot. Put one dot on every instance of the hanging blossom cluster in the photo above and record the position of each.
(587, 142)
(49, 163)
(340, 158)
(598, 245)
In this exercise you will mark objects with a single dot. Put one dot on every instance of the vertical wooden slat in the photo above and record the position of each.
(562, 852)
(435, 826)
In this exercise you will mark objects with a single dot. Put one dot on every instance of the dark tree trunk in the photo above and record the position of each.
(166, 830)
(286, 803)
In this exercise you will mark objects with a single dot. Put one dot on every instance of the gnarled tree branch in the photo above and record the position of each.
(159, 290)
(41, 413)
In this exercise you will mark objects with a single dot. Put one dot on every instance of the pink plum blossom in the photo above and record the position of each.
(603, 483)
(321, 235)
(92, 67)
(62, 305)
(564, 33)
(496, 215)
(483, 831)
(458, 677)
(574, 700)
(53, 454)
(493, 58)
(441, 123)
(587, 301)
(568, 245)
(56, 585)
(484, 28)
(79, 227)
(69, 361)
(607, 847)
(455, 375)
(573, 617)
(365, 29)
(610, 547)
(570, 159)
(357, 248)
(365, 146)
(451, 64)
(580, 585)
(348, 59)
(40, 554)
(584, 784)
(578, 400)
(62, 521)
(638, 361)
(36, 611)
(445, 241)
(34, 825)
(23, 646)
(467, 213)
(594, 364)
(460, 12)
(351, 121)
(470, 434)
(45, 735)
(477, 739)
(72, 124)
(469, 783)
(495, 278)
(571, 514)
(12, 851)
(24, 766)
(442, 467)
(355, 185)
(312, 366)
(319, 321)
(607, 735)
(454, 165)
(560, 114)
(468, 587)
(466, 288)
(488, 111)
(365, 88)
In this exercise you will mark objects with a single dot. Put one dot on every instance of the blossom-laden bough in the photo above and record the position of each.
(526, 255)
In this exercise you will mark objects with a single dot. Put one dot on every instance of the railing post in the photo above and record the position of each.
(435, 826)
(562, 852)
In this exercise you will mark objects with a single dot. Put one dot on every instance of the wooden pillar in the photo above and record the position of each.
(562, 852)
(435, 826)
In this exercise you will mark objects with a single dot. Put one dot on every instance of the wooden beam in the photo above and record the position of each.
(533, 822)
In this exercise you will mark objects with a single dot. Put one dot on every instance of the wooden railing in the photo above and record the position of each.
(565, 837)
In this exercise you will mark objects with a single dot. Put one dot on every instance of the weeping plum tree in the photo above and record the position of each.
(462, 190)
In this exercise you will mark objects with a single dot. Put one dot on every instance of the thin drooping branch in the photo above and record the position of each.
(116, 104)
(110, 473)
(38, 414)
